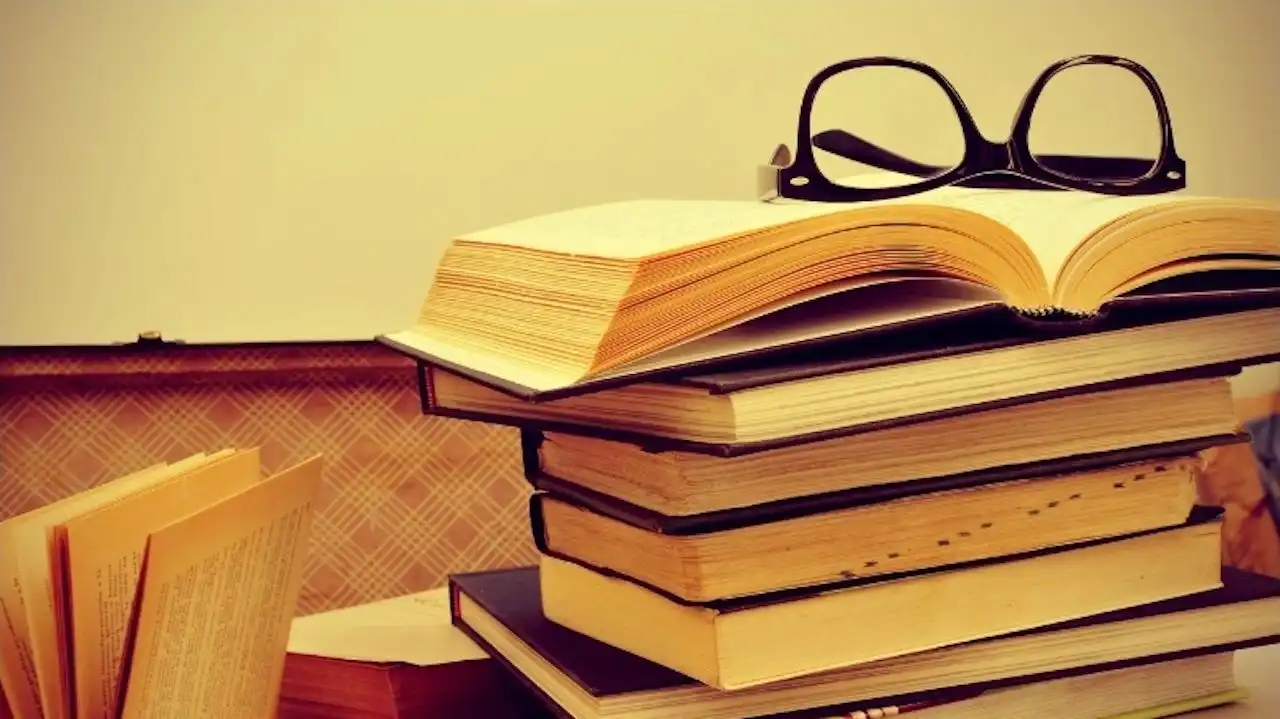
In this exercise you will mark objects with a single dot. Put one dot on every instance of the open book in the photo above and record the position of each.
(167, 592)
(543, 306)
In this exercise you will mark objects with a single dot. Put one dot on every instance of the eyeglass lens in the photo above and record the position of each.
(888, 126)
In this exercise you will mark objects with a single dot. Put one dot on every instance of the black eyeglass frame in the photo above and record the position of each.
(1009, 164)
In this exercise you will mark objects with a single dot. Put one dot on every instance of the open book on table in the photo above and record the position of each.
(166, 592)
(555, 305)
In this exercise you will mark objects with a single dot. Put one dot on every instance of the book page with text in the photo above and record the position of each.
(31, 536)
(218, 593)
(103, 550)
(17, 663)
(1053, 224)
(640, 228)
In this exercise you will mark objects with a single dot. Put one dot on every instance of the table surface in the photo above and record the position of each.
(1257, 670)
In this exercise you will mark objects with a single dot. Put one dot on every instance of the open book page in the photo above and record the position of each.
(631, 230)
(103, 551)
(414, 629)
(18, 675)
(17, 663)
(1053, 224)
(219, 589)
(37, 562)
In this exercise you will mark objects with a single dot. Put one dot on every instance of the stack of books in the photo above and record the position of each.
(935, 457)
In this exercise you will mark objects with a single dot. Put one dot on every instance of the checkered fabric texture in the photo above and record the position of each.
(407, 499)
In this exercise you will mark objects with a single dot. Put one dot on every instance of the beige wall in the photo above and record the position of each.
(1259, 384)
(278, 170)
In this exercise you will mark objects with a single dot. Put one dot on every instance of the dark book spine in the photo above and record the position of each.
(530, 459)
(426, 393)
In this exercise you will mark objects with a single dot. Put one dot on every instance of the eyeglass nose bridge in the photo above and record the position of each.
(996, 155)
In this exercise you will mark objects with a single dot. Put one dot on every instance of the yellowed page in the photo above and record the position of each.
(218, 592)
(414, 629)
(17, 665)
(17, 668)
(1052, 224)
(640, 228)
(104, 550)
(30, 536)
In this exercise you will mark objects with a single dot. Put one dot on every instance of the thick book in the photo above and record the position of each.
(845, 489)
(735, 643)
(324, 688)
(551, 304)
(937, 527)
(396, 658)
(768, 406)
(1081, 430)
(171, 586)
(580, 677)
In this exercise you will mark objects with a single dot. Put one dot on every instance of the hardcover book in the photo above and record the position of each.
(396, 658)
(788, 499)
(863, 537)
(580, 677)
(738, 643)
(765, 407)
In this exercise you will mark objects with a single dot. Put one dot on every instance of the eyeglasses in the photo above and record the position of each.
(973, 160)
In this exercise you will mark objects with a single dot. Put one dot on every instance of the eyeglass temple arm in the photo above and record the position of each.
(852, 147)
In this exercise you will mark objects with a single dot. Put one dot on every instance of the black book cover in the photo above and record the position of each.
(512, 597)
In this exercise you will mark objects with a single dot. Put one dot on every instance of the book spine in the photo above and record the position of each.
(426, 391)
(1057, 320)
(538, 525)
(530, 457)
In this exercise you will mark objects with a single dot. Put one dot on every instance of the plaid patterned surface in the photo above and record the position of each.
(407, 499)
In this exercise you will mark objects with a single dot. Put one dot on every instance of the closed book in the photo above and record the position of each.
(328, 688)
(752, 641)
(867, 536)
(395, 658)
(577, 676)
(782, 404)
(780, 496)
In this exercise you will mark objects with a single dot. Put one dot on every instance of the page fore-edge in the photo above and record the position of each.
(1122, 313)
(1200, 514)
(993, 311)
(652, 443)
(778, 510)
